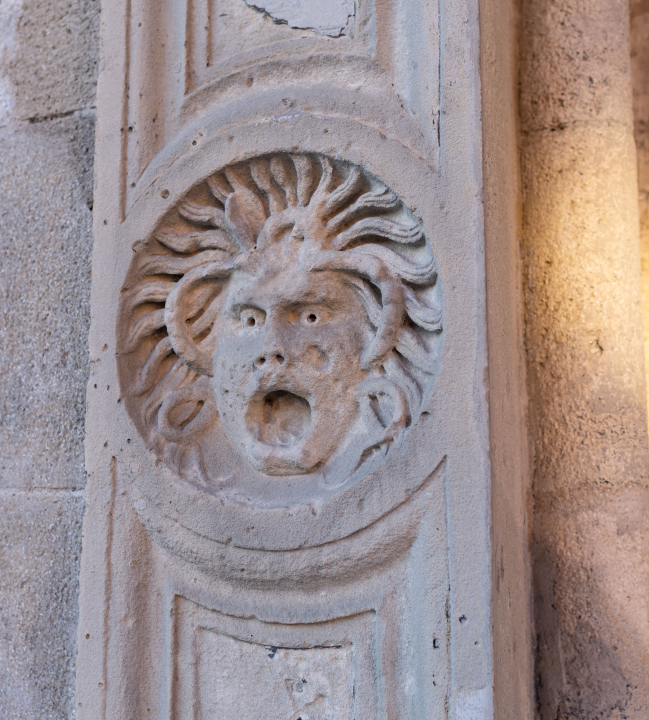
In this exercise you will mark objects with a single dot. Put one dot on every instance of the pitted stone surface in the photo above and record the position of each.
(48, 64)
(40, 545)
(309, 683)
(48, 57)
(46, 186)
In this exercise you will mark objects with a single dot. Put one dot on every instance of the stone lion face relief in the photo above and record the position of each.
(289, 306)
(287, 366)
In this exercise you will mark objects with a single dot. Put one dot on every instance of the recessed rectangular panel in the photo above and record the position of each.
(238, 679)
(228, 668)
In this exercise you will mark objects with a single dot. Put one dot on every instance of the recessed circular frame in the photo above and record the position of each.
(281, 329)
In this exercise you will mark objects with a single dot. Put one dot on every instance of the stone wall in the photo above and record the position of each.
(48, 67)
(587, 426)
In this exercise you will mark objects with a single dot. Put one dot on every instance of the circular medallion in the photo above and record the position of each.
(280, 330)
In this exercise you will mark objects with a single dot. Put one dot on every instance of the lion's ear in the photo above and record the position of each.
(383, 407)
(187, 411)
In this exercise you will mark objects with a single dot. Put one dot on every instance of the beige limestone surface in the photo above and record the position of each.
(581, 270)
(589, 446)
(40, 546)
(48, 57)
(44, 279)
(48, 60)
(510, 479)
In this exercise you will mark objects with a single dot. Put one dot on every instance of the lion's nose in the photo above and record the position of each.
(275, 358)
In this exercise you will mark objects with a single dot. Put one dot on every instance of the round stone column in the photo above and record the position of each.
(584, 343)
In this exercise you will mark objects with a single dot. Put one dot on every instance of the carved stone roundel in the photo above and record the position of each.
(283, 321)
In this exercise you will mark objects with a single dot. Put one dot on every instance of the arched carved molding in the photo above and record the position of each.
(283, 321)
(380, 543)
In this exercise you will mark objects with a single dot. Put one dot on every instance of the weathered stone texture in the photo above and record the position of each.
(510, 475)
(585, 364)
(46, 186)
(48, 64)
(40, 544)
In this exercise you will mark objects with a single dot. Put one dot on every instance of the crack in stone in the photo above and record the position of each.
(331, 18)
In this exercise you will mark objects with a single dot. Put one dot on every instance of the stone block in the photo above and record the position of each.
(40, 543)
(578, 45)
(48, 57)
(45, 225)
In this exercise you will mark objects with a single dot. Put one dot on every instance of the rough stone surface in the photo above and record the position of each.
(48, 57)
(40, 545)
(48, 64)
(584, 359)
(45, 224)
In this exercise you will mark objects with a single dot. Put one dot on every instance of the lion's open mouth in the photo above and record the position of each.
(278, 418)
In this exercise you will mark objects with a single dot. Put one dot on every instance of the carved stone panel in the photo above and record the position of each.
(283, 319)
(288, 495)
(325, 676)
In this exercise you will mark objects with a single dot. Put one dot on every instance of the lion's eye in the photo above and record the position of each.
(252, 317)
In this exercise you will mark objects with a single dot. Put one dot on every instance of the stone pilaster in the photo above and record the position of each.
(291, 412)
